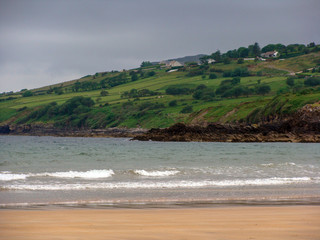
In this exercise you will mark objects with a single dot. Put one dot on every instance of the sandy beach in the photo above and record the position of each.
(255, 222)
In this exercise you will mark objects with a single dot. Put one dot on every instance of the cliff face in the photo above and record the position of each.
(304, 126)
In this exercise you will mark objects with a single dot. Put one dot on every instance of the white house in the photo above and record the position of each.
(271, 54)
(174, 64)
(211, 61)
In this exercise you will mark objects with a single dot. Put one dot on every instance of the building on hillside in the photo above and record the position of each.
(174, 64)
(271, 54)
(211, 61)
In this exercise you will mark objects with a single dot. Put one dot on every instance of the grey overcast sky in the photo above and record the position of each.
(44, 42)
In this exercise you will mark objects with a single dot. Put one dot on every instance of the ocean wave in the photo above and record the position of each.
(164, 184)
(8, 176)
(267, 164)
(91, 174)
(165, 173)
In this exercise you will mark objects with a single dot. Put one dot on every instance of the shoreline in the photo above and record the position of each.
(50, 130)
(236, 222)
(176, 133)
(165, 204)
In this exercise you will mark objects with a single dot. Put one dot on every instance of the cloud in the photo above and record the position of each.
(44, 42)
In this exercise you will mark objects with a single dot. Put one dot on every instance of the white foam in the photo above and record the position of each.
(165, 185)
(267, 164)
(156, 173)
(91, 174)
(8, 176)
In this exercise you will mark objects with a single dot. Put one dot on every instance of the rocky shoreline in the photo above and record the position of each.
(303, 126)
(50, 130)
(227, 133)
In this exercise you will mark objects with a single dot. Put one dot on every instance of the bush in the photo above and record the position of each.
(240, 72)
(134, 77)
(104, 93)
(235, 81)
(212, 76)
(201, 86)
(178, 91)
(152, 73)
(186, 109)
(204, 94)
(220, 90)
(236, 92)
(195, 72)
(259, 73)
(227, 73)
(264, 89)
(226, 61)
(134, 93)
(290, 81)
(240, 61)
(173, 103)
(312, 81)
(69, 106)
(27, 94)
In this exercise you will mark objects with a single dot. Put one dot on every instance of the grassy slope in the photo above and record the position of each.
(223, 110)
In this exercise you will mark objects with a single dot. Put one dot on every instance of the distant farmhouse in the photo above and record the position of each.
(211, 61)
(170, 64)
(271, 54)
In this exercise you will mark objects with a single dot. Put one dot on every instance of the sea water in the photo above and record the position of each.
(59, 171)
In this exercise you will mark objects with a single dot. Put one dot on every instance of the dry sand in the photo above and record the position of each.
(272, 223)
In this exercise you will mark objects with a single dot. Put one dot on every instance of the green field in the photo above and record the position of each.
(48, 105)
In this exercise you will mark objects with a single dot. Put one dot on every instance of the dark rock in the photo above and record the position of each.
(4, 129)
(304, 126)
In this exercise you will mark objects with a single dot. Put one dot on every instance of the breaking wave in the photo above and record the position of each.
(164, 184)
(91, 174)
(156, 173)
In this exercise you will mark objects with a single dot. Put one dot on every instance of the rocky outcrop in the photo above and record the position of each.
(304, 126)
(50, 130)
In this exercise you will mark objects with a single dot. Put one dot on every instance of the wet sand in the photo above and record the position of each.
(253, 222)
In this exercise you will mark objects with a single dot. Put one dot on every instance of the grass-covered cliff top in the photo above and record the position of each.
(230, 90)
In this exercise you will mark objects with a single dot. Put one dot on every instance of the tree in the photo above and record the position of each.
(290, 81)
(236, 80)
(58, 90)
(134, 77)
(27, 94)
(173, 103)
(264, 89)
(312, 44)
(216, 56)
(312, 81)
(226, 60)
(204, 94)
(186, 109)
(256, 49)
(240, 61)
(104, 93)
(243, 52)
(152, 73)
(146, 64)
(103, 83)
(212, 76)
(177, 91)
(240, 72)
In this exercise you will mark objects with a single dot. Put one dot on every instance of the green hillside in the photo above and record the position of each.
(230, 90)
